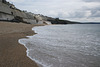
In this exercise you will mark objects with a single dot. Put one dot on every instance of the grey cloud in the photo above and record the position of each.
(77, 14)
(91, 0)
(82, 13)
(95, 12)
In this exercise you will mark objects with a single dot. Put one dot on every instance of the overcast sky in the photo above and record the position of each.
(75, 10)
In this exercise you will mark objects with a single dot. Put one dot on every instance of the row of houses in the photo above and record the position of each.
(9, 12)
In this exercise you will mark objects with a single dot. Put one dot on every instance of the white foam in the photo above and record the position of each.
(37, 61)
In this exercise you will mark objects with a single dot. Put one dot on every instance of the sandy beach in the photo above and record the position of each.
(13, 54)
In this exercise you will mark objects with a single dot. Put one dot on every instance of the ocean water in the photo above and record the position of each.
(76, 45)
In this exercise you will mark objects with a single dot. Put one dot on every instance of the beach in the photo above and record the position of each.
(13, 54)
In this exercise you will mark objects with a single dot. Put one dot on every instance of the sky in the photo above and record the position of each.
(74, 10)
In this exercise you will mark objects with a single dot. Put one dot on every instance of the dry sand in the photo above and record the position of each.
(13, 54)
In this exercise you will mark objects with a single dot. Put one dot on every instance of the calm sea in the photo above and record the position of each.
(76, 45)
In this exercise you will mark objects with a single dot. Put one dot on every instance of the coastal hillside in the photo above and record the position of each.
(8, 12)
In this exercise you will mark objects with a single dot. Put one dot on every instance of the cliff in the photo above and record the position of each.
(8, 12)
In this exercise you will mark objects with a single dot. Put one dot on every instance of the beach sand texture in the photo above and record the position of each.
(12, 54)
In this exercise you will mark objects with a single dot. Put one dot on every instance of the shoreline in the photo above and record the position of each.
(12, 53)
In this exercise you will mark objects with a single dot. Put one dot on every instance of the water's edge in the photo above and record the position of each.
(40, 64)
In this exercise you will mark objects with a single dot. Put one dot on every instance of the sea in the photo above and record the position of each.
(71, 45)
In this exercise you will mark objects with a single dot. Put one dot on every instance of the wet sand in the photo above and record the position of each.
(13, 54)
